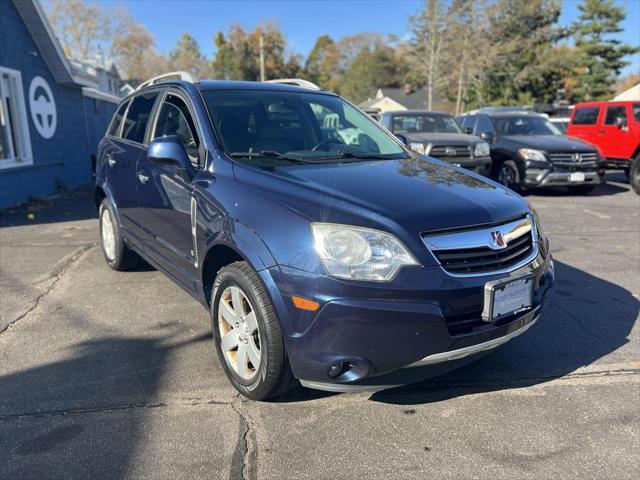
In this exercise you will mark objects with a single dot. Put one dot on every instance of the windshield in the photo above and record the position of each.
(525, 125)
(424, 123)
(269, 127)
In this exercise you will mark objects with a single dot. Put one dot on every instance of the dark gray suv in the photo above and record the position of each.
(438, 135)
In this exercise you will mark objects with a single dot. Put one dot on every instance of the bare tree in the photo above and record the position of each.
(429, 31)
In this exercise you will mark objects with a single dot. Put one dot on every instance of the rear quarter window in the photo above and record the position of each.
(586, 116)
(636, 111)
(614, 113)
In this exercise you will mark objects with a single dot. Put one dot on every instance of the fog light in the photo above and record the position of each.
(338, 369)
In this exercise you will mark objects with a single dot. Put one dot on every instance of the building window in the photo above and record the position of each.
(15, 144)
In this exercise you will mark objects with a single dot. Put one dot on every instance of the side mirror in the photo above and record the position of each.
(168, 150)
(487, 137)
(403, 139)
(468, 130)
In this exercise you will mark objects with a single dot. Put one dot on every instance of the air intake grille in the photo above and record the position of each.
(573, 158)
(450, 151)
(480, 260)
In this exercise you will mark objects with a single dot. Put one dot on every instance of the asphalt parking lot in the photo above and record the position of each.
(113, 375)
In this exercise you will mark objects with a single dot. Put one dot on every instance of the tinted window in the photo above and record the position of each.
(586, 116)
(615, 113)
(114, 129)
(469, 122)
(138, 115)
(526, 125)
(636, 111)
(423, 123)
(310, 126)
(484, 125)
(174, 118)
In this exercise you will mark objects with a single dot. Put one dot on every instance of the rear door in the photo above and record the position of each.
(132, 144)
(165, 199)
(584, 124)
(616, 141)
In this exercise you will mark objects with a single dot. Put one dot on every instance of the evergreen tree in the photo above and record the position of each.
(186, 56)
(321, 66)
(371, 69)
(601, 57)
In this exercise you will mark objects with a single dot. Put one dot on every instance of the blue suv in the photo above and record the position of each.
(325, 250)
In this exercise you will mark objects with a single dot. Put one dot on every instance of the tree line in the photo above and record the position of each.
(467, 52)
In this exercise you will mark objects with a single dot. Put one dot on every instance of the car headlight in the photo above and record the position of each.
(482, 150)
(418, 147)
(357, 253)
(531, 154)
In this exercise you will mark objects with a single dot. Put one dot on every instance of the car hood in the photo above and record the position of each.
(442, 138)
(416, 194)
(551, 143)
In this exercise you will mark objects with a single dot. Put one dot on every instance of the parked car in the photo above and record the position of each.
(438, 135)
(614, 127)
(345, 266)
(528, 151)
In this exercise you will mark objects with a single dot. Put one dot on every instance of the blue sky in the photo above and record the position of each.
(303, 21)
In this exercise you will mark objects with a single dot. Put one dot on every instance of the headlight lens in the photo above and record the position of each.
(418, 147)
(531, 154)
(357, 253)
(482, 150)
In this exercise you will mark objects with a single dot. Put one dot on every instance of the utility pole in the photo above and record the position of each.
(262, 76)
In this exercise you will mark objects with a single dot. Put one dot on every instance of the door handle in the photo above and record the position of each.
(602, 132)
(110, 160)
(143, 178)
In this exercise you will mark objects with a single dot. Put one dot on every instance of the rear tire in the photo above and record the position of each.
(634, 175)
(247, 335)
(118, 256)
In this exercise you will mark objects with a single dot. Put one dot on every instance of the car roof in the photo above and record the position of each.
(604, 102)
(230, 85)
(417, 112)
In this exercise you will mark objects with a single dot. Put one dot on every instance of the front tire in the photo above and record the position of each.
(634, 175)
(247, 335)
(118, 256)
(507, 174)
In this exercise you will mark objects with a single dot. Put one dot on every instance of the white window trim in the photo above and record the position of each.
(23, 132)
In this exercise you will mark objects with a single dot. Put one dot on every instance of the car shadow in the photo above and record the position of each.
(66, 409)
(584, 319)
(69, 206)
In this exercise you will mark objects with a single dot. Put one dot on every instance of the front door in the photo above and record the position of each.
(615, 137)
(165, 198)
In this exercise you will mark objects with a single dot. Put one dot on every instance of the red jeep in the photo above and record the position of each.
(614, 127)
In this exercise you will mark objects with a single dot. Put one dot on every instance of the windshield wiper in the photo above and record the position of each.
(360, 156)
(268, 153)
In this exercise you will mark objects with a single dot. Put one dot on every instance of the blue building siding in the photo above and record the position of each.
(65, 159)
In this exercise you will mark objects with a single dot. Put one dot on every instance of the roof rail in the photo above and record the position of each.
(298, 82)
(166, 77)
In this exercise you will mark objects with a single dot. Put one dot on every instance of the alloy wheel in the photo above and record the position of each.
(239, 333)
(107, 233)
(507, 176)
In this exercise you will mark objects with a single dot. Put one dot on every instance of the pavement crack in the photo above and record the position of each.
(115, 408)
(244, 462)
(56, 276)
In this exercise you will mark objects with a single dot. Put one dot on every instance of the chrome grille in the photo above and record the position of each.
(573, 158)
(450, 151)
(477, 252)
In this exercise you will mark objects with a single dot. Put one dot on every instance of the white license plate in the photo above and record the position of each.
(509, 298)
(576, 177)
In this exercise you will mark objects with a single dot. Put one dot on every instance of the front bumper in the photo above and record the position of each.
(392, 334)
(549, 175)
(481, 165)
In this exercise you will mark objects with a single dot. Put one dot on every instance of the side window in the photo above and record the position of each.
(114, 128)
(614, 114)
(636, 111)
(586, 116)
(484, 125)
(135, 125)
(469, 121)
(174, 118)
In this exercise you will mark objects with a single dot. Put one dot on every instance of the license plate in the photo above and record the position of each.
(576, 177)
(508, 298)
